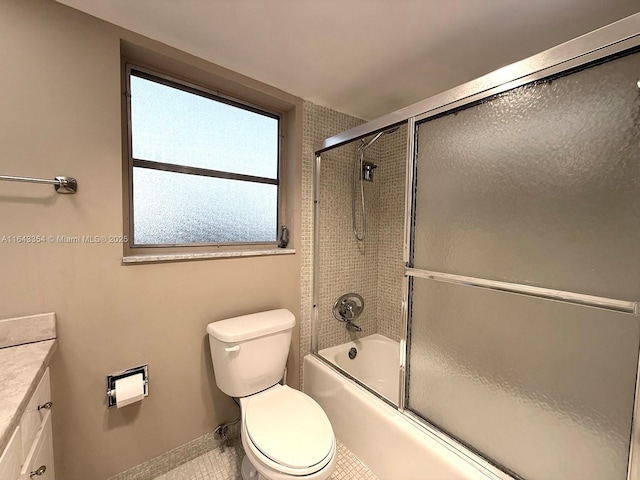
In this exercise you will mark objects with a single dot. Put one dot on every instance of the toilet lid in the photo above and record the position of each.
(289, 427)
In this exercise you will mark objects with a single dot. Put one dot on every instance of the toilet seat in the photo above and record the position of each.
(288, 431)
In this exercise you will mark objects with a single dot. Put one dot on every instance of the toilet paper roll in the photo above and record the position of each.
(129, 390)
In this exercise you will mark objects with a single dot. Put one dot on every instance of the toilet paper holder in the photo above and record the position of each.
(111, 382)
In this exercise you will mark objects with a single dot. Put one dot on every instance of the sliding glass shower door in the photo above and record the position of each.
(525, 269)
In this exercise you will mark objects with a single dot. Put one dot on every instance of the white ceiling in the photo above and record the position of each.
(362, 57)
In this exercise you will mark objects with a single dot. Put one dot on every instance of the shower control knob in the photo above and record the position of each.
(348, 307)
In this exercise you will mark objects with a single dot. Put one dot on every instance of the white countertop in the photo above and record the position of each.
(21, 368)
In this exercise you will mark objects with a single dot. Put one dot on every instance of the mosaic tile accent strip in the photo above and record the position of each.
(225, 463)
(181, 455)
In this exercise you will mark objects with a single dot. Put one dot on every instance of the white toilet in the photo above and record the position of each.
(285, 433)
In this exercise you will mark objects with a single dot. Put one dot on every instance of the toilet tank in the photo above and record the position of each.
(249, 352)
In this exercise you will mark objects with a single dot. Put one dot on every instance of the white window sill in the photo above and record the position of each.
(177, 257)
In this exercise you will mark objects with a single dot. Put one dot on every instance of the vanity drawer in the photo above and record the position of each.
(11, 458)
(40, 457)
(32, 417)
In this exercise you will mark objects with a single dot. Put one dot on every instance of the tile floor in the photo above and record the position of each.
(224, 464)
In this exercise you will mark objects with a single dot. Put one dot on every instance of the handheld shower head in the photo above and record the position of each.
(362, 171)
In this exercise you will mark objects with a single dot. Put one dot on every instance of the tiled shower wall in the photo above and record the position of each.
(346, 265)
(372, 268)
(317, 123)
(390, 177)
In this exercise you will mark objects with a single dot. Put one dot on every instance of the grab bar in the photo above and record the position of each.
(530, 290)
(61, 184)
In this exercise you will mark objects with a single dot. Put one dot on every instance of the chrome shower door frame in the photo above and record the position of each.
(609, 40)
(605, 42)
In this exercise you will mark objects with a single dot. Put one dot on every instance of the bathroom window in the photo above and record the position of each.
(203, 168)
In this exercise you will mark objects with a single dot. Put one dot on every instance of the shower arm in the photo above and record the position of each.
(366, 145)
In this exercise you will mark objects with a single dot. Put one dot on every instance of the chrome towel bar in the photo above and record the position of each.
(61, 184)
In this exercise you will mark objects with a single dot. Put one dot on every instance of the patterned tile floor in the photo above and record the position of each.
(224, 464)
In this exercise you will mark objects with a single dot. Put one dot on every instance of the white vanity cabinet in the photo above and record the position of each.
(11, 459)
(29, 453)
(39, 461)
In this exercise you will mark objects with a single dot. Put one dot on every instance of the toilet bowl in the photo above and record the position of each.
(285, 434)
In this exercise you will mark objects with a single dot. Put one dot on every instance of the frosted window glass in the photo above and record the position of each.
(170, 125)
(175, 208)
(539, 185)
(543, 388)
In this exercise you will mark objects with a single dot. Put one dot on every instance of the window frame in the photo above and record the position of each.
(132, 248)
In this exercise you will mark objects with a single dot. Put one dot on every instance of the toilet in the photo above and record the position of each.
(285, 433)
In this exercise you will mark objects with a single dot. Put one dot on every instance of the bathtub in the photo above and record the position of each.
(389, 443)
(376, 364)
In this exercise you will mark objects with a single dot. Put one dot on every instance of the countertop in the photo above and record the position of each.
(21, 368)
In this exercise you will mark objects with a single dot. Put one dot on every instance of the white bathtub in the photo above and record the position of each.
(392, 446)
(377, 363)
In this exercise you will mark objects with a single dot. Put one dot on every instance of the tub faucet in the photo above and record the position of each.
(352, 327)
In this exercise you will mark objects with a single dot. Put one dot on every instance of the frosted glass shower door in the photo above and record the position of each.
(543, 388)
(538, 186)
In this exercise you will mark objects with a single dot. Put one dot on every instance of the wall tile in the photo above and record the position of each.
(372, 268)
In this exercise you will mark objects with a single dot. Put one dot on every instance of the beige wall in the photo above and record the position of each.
(60, 115)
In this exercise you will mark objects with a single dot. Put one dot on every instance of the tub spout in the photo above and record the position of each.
(352, 327)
